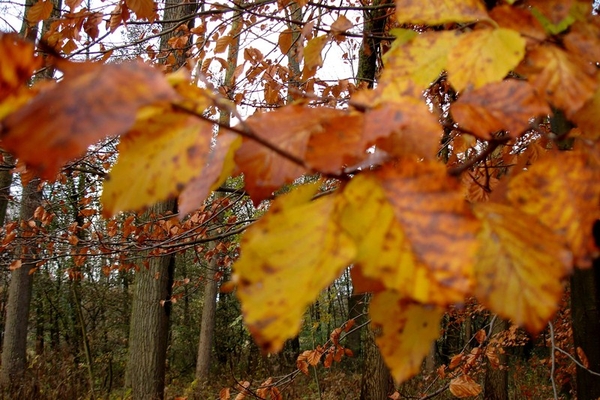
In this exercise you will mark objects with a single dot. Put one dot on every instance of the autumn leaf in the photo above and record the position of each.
(506, 105)
(340, 26)
(583, 40)
(40, 11)
(18, 63)
(556, 189)
(62, 121)
(464, 386)
(411, 66)
(587, 117)
(519, 266)
(432, 211)
(163, 151)
(407, 330)
(565, 81)
(520, 20)
(288, 129)
(144, 9)
(484, 56)
(312, 56)
(385, 252)
(285, 41)
(404, 127)
(436, 12)
(220, 166)
(287, 258)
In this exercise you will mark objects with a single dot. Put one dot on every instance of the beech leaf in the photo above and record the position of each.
(40, 11)
(62, 121)
(144, 9)
(506, 105)
(464, 386)
(163, 151)
(287, 258)
(436, 12)
(407, 331)
(18, 63)
(312, 56)
(519, 266)
(484, 56)
(557, 190)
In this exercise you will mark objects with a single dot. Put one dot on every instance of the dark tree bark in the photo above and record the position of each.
(376, 383)
(585, 312)
(496, 379)
(207, 328)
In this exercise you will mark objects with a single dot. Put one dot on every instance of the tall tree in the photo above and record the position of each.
(496, 379)
(151, 308)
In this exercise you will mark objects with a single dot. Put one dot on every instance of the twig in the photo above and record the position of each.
(553, 357)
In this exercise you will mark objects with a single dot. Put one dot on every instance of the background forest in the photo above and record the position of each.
(103, 303)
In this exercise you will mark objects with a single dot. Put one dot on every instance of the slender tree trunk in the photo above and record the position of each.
(5, 182)
(207, 328)
(496, 379)
(19, 295)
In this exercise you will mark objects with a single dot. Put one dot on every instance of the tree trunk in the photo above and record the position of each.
(208, 321)
(19, 295)
(585, 311)
(376, 383)
(5, 182)
(149, 328)
(496, 380)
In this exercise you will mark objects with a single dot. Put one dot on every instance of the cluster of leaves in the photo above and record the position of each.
(398, 215)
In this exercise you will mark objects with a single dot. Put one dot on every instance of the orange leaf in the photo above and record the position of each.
(18, 63)
(62, 121)
(464, 386)
(407, 330)
(420, 193)
(480, 336)
(455, 361)
(285, 41)
(583, 357)
(302, 365)
(144, 9)
(40, 11)
(566, 81)
(16, 264)
(520, 20)
(506, 105)
(289, 129)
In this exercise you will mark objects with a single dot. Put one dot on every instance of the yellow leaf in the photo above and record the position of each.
(312, 56)
(40, 11)
(567, 82)
(144, 9)
(411, 66)
(407, 330)
(432, 211)
(384, 252)
(519, 267)
(220, 166)
(287, 258)
(157, 158)
(561, 191)
(484, 56)
(437, 12)
(464, 386)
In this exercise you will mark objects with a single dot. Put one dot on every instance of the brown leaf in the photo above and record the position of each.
(583, 40)
(554, 10)
(62, 121)
(16, 264)
(302, 365)
(464, 386)
(506, 105)
(583, 357)
(455, 361)
(492, 356)
(520, 20)
(480, 336)
(339, 26)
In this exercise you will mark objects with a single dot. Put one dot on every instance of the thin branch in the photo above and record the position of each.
(553, 358)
